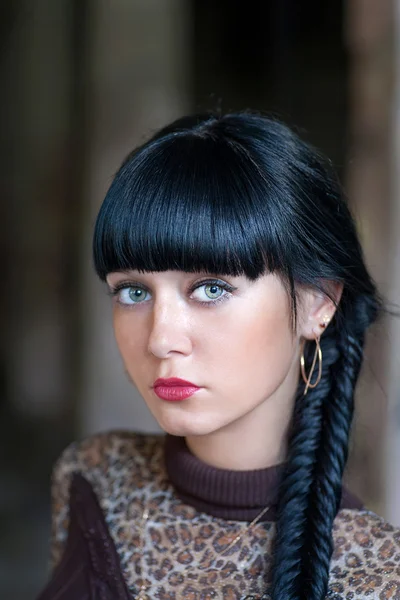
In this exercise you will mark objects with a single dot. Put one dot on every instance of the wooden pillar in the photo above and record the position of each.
(37, 212)
(369, 183)
(392, 445)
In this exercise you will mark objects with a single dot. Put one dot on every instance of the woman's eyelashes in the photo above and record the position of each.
(128, 293)
(133, 295)
(209, 292)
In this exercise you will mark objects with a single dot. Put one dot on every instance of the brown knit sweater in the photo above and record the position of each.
(103, 550)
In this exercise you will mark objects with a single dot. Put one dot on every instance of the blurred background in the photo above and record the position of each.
(82, 82)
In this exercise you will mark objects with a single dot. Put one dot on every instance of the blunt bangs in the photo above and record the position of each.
(190, 203)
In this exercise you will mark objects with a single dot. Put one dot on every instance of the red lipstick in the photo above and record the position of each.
(174, 389)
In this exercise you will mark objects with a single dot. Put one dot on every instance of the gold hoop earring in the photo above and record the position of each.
(317, 354)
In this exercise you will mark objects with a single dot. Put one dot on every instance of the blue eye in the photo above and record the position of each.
(212, 292)
(132, 295)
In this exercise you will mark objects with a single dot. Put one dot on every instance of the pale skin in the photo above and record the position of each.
(241, 351)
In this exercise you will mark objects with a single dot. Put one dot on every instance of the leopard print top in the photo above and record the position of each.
(181, 553)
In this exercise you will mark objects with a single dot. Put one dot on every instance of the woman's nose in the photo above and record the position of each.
(169, 332)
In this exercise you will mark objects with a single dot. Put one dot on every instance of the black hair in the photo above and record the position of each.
(243, 194)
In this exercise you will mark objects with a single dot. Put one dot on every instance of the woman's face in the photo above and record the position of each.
(229, 336)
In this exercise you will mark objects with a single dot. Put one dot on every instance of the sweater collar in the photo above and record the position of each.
(232, 495)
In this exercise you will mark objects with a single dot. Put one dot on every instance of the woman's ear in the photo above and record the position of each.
(319, 309)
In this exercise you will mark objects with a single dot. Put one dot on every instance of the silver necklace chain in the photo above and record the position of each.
(142, 594)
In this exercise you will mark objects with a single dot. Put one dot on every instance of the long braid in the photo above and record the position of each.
(297, 484)
(308, 505)
(332, 457)
(337, 418)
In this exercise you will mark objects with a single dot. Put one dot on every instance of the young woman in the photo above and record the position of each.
(241, 301)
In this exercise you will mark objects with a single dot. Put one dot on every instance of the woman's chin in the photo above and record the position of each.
(182, 425)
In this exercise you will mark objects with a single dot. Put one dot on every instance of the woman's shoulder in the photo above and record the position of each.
(366, 559)
(108, 452)
(112, 463)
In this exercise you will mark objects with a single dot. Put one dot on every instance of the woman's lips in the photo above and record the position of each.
(174, 389)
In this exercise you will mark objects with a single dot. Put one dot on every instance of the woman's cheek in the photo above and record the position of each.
(268, 349)
(129, 338)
